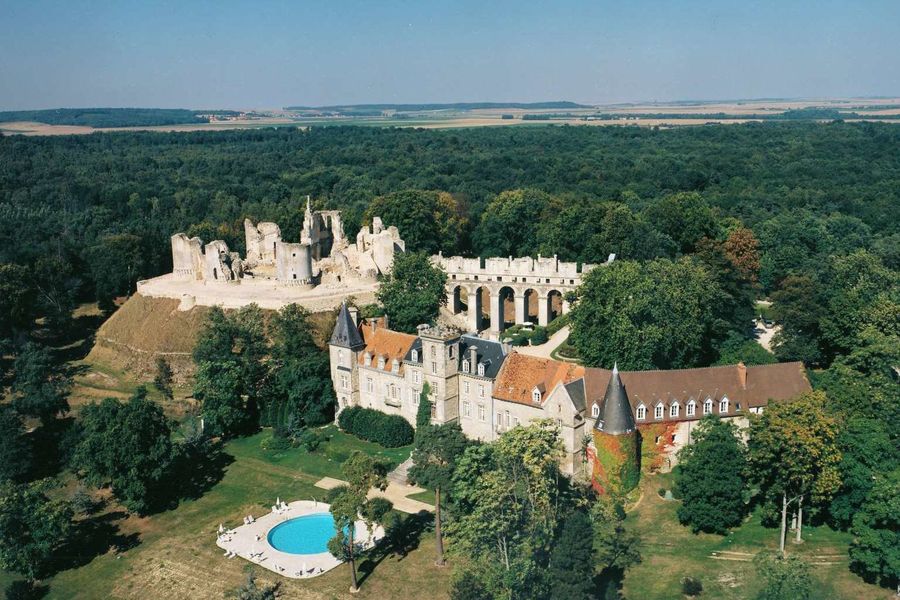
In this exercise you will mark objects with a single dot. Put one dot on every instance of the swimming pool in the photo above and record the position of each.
(308, 534)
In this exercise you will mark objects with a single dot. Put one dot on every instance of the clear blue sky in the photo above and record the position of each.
(266, 54)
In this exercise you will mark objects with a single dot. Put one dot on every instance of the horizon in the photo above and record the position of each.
(237, 54)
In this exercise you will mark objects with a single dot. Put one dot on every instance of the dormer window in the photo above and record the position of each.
(691, 408)
(707, 406)
(674, 410)
(368, 359)
(595, 411)
(481, 369)
(380, 362)
(415, 356)
(723, 405)
(535, 393)
(641, 412)
(395, 366)
(658, 412)
(466, 366)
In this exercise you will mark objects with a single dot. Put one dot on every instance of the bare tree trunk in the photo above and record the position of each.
(355, 586)
(439, 540)
(799, 519)
(783, 523)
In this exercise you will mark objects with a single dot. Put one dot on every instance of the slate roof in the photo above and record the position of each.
(616, 416)
(576, 393)
(345, 333)
(488, 352)
(762, 383)
(521, 373)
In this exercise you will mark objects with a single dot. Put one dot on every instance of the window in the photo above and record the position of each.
(481, 412)
(658, 412)
(466, 387)
(344, 384)
(641, 412)
(415, 356)
(707, 406)
(450, 351)
(433, 410)
(415, 399)
(466, 367)
(507, 418)
(411, 394)
(433, 352)
(723, 405)
(481, 369)
(499, 419)
(467, 409)
(417, 377)
(595, 411)
(387, 390)
(380, 362)
(691, 408)
(674, 409)
(370, 385)
(481, 391)
(535, 395)
(515, 421)
(394, 392)
(434, 368)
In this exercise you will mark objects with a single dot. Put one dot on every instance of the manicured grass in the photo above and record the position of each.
(670, 552)
(175, 556)
(427, 497)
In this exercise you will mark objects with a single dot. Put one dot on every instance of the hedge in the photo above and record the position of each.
(390, 431)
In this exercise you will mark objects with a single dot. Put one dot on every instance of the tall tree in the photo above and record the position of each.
(510, 222)
(742, 249)
(875, 550)
(15, 449)
(163, 377)
(17, 301)
(784, 577)
(127, 446)
(685, 217)
(428, 221)
(794, 456)
(116, 261)
(362, 473)
(438, 447)
(41, 386)
(413, 293)
(570, 571)
(32, 528)
(710, 477)
(423, 412)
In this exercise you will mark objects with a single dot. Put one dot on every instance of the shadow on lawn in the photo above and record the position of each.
(94, 537)
(402, 535)
(197, 468)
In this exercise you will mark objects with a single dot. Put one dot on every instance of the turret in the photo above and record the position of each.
(617, 465)
(343, 348)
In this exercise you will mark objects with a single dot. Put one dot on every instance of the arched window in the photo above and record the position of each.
(641, 412)
(466, 366)
(415, 356)
(595, 411)
(691, 408)
(535, 394)
(481, 369)
(707, 406)
(674, 409)
(340, 357)
(658, 412)
(723, 405)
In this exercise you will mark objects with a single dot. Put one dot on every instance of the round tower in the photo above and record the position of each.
(617, 463)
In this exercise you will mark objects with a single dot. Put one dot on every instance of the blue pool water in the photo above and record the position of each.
(308, 534)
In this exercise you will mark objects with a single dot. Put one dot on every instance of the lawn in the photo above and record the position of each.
(173, 554)
(670, 552)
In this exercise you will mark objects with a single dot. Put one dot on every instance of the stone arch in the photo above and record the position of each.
(478, 305)
(458, 299)
(530, 309)
(554, 304)
(507, 314)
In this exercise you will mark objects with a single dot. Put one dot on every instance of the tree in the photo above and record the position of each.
(32, 528)
(126, 446)
(17, 301)
(413, 292)
(656, 315)
(733, 309)
(794, 455)
(40, 386)
(875, 550)
(785, 577)
(116, 262)
(797, 308)
(710, 477)
(252, 590)
(685, 217)
(362, 473)
(438, 447)
(423, 412)
(742, 249)
(163, 378)
(428, 221)
(510, 222)
(570, 571)
(739, 348)
(15, 450)
(300, 372)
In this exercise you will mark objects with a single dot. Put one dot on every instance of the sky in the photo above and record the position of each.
(268, 54)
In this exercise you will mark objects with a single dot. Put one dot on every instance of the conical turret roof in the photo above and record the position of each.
(345, 332)
(615, 415)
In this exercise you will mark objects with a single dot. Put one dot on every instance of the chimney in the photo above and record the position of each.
(742, 375)
(384, 322)
(354, 315)
(473, 359)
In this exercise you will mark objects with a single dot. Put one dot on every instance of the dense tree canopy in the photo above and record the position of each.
(413, 293)
(40, 386)
(428, 221)
(32, 528)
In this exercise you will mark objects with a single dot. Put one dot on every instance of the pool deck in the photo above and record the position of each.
(251, 543)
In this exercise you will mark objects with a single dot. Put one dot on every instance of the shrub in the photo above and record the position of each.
(691, 586)
(390, 431)
(557, 324)
(539, 336)
(520, 339)
(661, 492)
(311, 439)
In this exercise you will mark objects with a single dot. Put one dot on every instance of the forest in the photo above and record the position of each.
(108, 117)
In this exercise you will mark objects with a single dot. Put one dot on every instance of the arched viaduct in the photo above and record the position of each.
(537, 288)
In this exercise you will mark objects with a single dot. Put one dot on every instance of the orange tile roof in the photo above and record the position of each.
(521, 373)
(385, 342)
